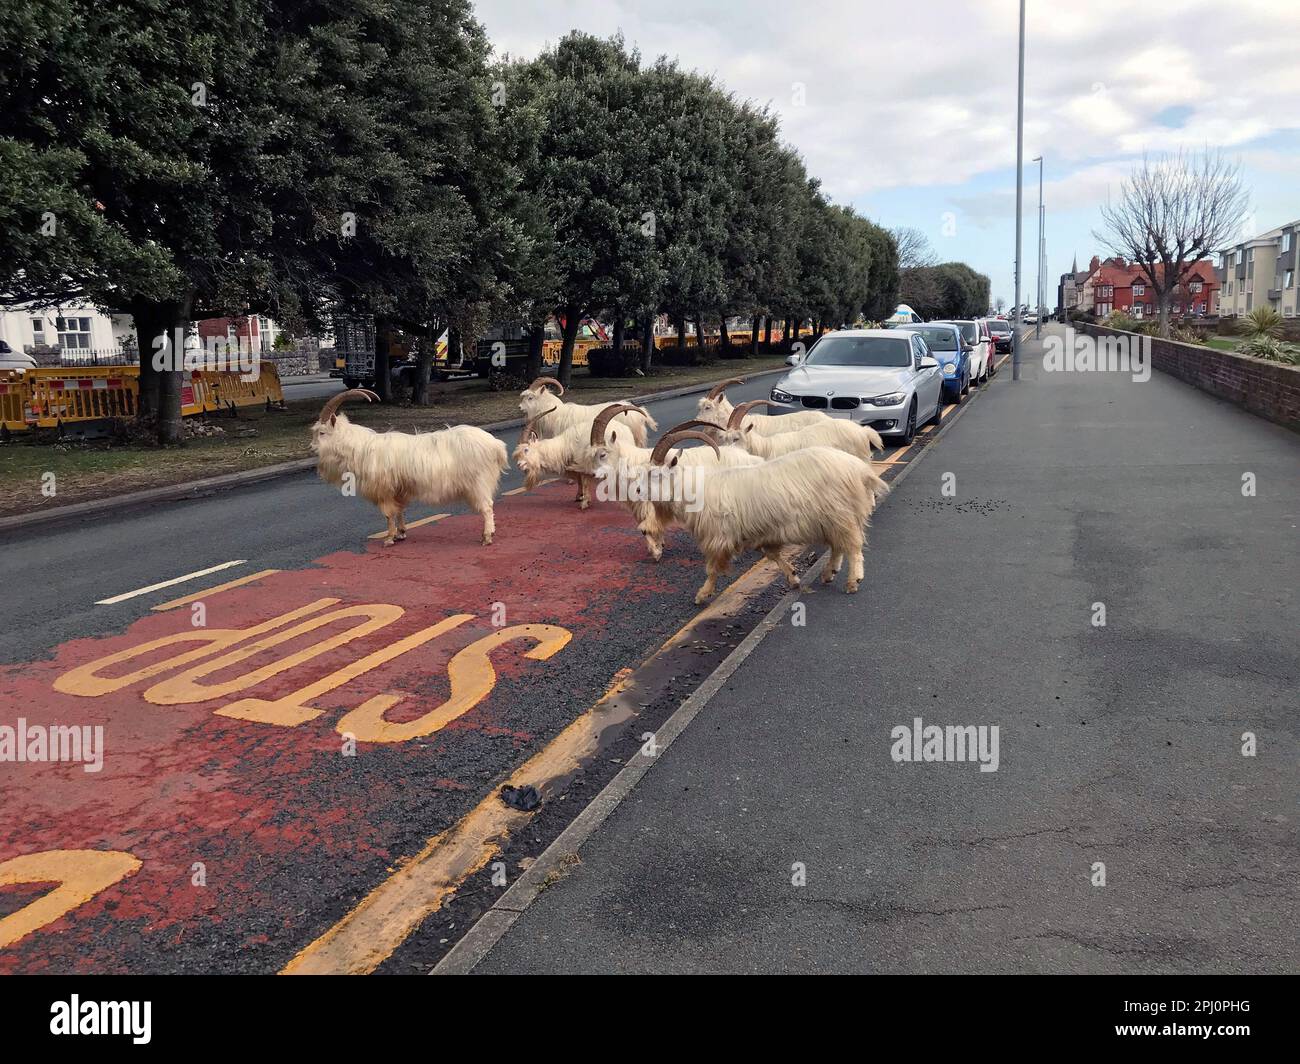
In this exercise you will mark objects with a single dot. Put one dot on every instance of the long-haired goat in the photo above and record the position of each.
(624, 469)
(394, 469)
(536, 400)
(814, 496)
(847, 436)
(716, 408)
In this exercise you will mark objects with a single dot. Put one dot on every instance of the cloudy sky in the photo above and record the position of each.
(907, 111)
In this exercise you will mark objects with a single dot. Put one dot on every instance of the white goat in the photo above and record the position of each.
(716, 408)
(394, 469)
(813, 496)
(535, 401)
(628, 476)
(847, 436)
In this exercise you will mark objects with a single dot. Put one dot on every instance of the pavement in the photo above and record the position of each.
(303, 732)
(310, 386)
(1123, 830)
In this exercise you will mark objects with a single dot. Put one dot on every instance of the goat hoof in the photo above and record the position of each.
(851, 587)
(487, 541)
(401, 536)
(388, 542)
(701, 597)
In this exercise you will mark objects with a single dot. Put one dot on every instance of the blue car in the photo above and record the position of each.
(945, 344)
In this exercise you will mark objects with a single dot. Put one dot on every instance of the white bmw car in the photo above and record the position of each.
(885, 378)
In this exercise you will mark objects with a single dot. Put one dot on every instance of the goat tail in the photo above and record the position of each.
(873, 438)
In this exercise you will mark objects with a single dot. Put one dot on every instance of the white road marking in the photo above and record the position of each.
(169, 583)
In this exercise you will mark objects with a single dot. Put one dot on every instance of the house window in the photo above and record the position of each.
(1194, 287)
(1137, 310)
(38, 330)
(1289, 279)
(1139, 289)
(1178, 308)
(1107, 291)
(1150, 307)
(1250, 254)
(74, 333)
(1229, 288)
(1286, 241)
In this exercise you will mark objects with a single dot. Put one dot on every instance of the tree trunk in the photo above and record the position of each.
(383, 376)
(681, 330)
(423, 364)
(618, 332)
(753, 336)
(699, 332)
(536, 342)
(1164, 314)
(647, 342)
(571, 324)
(723, 338)
(149, 325)
(767, 330)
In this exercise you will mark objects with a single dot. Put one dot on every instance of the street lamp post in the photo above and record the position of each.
(1038, 306)
(1020, 180)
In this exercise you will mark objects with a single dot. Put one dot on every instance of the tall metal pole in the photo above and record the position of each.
(1038, 307)
(1020, 180)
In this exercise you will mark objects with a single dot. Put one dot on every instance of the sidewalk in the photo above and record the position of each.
(1119, 745)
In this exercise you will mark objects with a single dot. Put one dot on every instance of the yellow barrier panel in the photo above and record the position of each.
(63, 394)
(52, 395)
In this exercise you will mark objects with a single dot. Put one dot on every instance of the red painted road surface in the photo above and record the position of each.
(244, 829)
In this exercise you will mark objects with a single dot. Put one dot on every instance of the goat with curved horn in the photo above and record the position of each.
(739, 413)
(670, 440)
(331, 407)
(601, 423)
(539, 383)
(716, 391)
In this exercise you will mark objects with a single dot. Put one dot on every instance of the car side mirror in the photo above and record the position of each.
(929, 363)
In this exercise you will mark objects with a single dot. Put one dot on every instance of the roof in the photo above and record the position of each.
(1270, 237)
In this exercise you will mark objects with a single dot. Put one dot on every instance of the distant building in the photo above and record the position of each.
(73, 327)
(1261, 272)
(1114, 284)
(1067, 290)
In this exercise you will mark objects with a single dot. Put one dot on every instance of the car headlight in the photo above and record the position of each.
(779, 396)
(893, 399)
(950, 369)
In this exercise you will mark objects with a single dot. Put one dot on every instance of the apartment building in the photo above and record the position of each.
(1261, 272)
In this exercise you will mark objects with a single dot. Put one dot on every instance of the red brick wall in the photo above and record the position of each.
(1268, 389)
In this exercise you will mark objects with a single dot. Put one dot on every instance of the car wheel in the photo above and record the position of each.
(965, 384)
(909, 433)
(351, 382)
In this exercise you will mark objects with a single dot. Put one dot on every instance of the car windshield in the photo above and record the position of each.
(969, 331)
(999, 327)
(937, 337)
(861, 351)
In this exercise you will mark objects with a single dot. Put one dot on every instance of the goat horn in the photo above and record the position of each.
(739, 413)
(605, 417)
(530, 428)
(332, 405)
(670, 440)
(694, 423)
(716, 391)
(541, 382)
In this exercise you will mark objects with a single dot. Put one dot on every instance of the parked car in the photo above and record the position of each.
(1030, 318)
(15, 360)
(885, 378)
(976, 339)
(1000, 329)
(944, 342)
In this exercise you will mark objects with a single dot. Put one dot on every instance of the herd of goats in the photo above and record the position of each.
(763, 482)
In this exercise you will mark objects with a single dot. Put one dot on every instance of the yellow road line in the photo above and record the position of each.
(214, 590)
(385, 917)
(412, 524)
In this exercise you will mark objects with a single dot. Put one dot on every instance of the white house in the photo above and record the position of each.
(73, 327)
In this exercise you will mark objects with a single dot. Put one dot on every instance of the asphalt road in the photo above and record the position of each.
(1120, 745)
(315, 386)
(283, 523)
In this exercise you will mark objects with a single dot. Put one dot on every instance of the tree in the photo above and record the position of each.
(1172, 211)
(129, 136)
(913, 248)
